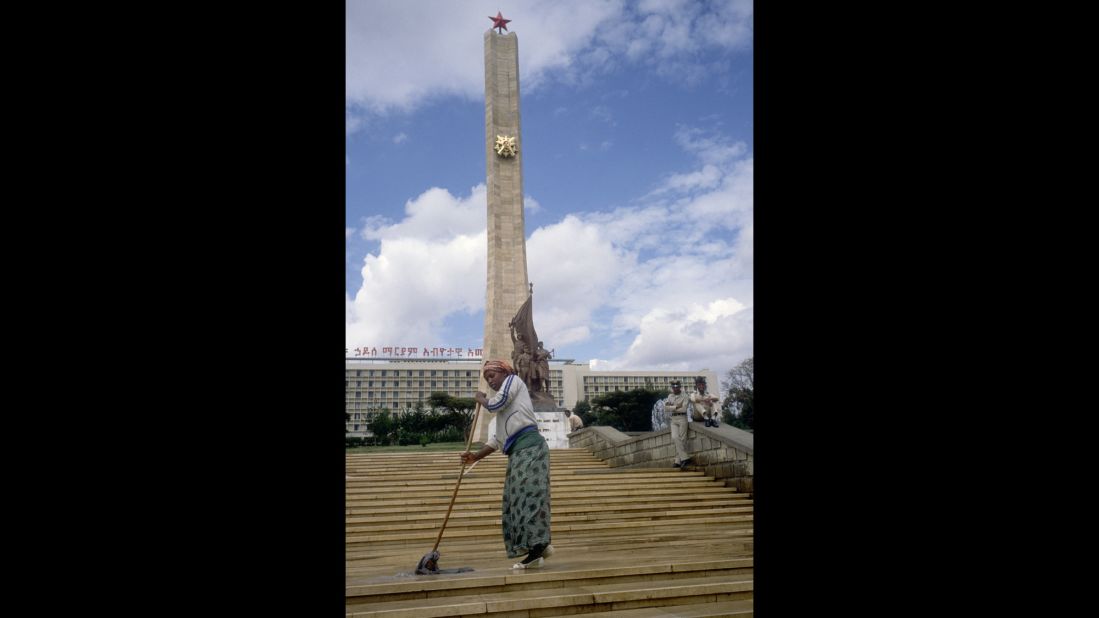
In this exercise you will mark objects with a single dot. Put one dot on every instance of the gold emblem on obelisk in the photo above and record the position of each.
(505, 146)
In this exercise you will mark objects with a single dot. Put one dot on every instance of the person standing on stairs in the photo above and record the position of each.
(675, 406)
(526, 503)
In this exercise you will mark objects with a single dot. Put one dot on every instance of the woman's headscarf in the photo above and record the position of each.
(497, 365)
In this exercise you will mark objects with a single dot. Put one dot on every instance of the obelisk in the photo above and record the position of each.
(507, 287)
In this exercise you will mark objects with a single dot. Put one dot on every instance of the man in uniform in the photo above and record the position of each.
(675, 406)
(703, 404)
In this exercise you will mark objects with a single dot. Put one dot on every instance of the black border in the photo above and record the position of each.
(851, 461)
(213, 464)
(227, 481)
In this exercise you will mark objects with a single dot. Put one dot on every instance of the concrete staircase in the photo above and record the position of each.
(638, 542)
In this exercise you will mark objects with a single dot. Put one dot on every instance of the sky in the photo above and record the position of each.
(637, 124)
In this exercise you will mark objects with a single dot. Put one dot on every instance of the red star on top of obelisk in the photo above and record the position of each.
(499, 22)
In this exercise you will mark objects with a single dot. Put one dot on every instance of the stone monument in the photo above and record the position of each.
(531, 361)
(508, 289)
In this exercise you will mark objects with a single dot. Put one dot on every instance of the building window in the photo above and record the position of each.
(358, 395)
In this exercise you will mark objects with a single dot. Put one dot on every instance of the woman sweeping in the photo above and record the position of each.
(526, 505)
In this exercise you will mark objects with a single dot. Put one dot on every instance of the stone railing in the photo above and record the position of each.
(723, 452)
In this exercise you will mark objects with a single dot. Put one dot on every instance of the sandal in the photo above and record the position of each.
(533, 564)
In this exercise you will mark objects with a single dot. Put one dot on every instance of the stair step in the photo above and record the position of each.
(720, 609)
(585, 497)
(453, 531)
(559, 515)
(498, 484)
(569, 568)
(615, 532)
(612, 596)
(381, 564)
(686, 488)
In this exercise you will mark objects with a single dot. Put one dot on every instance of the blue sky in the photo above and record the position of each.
(637, 125)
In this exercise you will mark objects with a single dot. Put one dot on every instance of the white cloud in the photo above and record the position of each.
(706, 178)
(412, 285)
(730, 25)
(400, 137)
(401, 54)
(715, 335)
(668, 279)
(434, 215)
(572, 265)
(530, 205)
(422, 273)
(428, 266)
(687, 304)
(353, 122)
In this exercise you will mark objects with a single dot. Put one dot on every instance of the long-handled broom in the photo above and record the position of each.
(429, 564)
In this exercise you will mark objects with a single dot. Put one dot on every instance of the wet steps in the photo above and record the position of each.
(653, 542)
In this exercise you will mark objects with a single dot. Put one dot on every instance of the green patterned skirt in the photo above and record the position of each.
(526, 510)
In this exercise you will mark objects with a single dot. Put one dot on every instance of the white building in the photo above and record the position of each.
(373, 384)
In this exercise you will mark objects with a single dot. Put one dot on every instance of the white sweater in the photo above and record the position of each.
(513, 410)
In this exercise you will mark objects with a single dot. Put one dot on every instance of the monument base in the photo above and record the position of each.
(546, 405)
(552, 424)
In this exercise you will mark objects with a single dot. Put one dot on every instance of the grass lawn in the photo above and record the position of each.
(416, 448)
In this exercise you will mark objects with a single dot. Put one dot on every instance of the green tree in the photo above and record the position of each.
(583, 410)
(626, 410)
(383, 426)
(414, 422)
(459, 410)
(738, 407)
